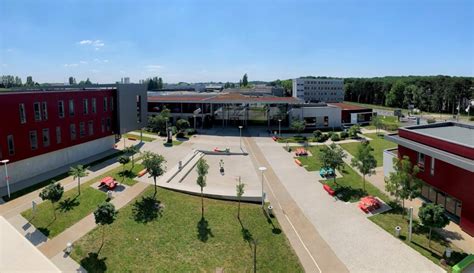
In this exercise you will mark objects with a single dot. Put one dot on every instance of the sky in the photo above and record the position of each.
(220, 40)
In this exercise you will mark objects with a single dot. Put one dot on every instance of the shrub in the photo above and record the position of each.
(335, 137)
(317, 133)
(174, 130)
(343, 135)
(322, 138)
(471, 118)
(431, 120)
(180, 135)
(190, 132)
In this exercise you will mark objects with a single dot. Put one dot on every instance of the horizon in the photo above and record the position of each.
(201, 42)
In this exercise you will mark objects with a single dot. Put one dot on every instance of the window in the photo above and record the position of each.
(72, 129)
(139, 109)
(432, 167)
(421, 161)
(71, 108)
(33, 140)
(22, 114)
(45, 137)
(102, 124)
(85, 106)
(11, 145)
(61, 108)
(82, 129)
(58, 135)
(108, 124)
(90, 124)
(94, 106)
(105, 104)
(111, 104)
(44, 106)
(37, 111)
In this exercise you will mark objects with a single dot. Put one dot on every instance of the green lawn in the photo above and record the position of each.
(390, 219)
(179, 241)
(137, 137)
(72, 208)
(378, 143)
(69, 210)
(350, 186)
(174, 143)
(311, 163)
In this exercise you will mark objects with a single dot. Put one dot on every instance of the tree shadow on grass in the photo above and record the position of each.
(146, 210)
(275, 230)
(92, 263)
(203, 230)
(44, 230)
(433, 252)
(68, 204)
(126, 174)
(246, 234)
(348, 194)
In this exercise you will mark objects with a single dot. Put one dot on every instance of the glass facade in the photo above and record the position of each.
(450, 204)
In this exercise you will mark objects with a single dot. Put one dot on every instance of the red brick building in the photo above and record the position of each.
(445, 154)
(45, 131)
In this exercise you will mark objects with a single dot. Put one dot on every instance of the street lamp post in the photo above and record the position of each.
(262, 169)
(194, 116)
(279, 127)
(240, 128)
(4, 162)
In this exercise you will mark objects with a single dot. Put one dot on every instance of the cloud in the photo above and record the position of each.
(95, 71)
(153, 67)
(71, 65)
(96, 44)
(101, 61)
(83, 62)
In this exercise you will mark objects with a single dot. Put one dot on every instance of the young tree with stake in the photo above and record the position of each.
(53, 192)
(105, 214)
(432, 216)
(154, 163)
(364, 160)
(78, 172)
(240, 190)
(202, 169)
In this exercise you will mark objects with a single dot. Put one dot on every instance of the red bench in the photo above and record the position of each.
(298, 162)
(274, 138)
(132, 139)
(142, 172)
(329, 189)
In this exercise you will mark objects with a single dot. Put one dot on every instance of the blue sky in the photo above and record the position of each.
(221, 40)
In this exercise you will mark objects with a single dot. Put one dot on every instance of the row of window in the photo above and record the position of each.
(323, 82)
(41, 108)
(320, 93)
(322, 88)
(421, 163)
(449, 203)
(45, 134)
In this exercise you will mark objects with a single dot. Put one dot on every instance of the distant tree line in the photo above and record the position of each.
(9, 81)
(154, 83)
(427, 93)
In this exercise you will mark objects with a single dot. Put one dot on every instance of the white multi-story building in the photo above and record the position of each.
(318, 90)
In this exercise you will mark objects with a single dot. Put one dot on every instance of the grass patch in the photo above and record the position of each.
(311, 163)
(179, 240)
(378, 143)
(390, 219)
(293, 139)
(69, 210)
(173, 143)
(144, 138)
(59, 177)
(351, 185)
(72, 207)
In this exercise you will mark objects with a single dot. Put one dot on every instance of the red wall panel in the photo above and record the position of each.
(11, 125)
(450, 179)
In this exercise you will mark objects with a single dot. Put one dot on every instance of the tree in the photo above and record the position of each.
(354, 131)
(72, 81)
(182, 124)
(403, 183)
(88, 82)
(377, 122)
(364, 160)
(395, 96)
(53, 192)
(78, 172)
(160, 83)
(154, 163)
(29, 81)
(202, 169)
(105, 214)
(298, 125)
(432, 216)
(159, 123)
(332, 157)
(131, 150)
(124, 161)
(245, 81)
(240, 190)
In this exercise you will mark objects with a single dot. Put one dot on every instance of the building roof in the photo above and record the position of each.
(223, 98)
(18, 254)
(346, 106)
(453, 132)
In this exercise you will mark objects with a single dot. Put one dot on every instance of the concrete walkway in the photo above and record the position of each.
(359, 243)
(314, 253)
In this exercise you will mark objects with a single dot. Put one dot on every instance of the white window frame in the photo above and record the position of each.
(33, 135)
(22, 113)
(61, 108)
(37, 111)
(46, 137)
(11, 145)
(44, 109)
